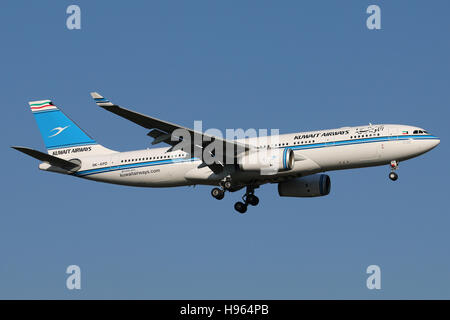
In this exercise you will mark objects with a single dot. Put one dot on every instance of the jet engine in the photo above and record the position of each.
(268, 159)
(316, 185)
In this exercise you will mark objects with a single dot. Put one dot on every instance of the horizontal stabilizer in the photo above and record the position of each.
(54, 161)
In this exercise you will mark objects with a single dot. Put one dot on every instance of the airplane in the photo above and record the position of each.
(296, 162)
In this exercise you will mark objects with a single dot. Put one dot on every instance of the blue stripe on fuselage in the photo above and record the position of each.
(132, 166)
(359, 141)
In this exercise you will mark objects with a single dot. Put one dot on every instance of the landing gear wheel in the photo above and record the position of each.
(240, 207)
(393, 176)
(252, 200)
(218, 193)
(227, 185)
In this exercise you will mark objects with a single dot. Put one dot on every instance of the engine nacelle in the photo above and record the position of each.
(316, 185)
(270, 160)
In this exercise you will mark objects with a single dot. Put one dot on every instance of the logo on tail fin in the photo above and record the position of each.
(59, 130)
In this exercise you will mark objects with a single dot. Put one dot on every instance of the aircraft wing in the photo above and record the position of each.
(54, 161)
(163, 131)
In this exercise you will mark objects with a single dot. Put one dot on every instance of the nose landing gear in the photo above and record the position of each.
(393, 176)
(394, 166)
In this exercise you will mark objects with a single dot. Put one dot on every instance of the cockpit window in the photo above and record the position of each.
(416, 132)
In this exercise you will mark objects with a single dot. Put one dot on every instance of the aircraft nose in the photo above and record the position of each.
(436, 142)
(432, 143)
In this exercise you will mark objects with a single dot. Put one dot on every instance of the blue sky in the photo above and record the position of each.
(292, 65)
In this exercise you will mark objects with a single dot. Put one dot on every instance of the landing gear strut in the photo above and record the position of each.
(394, 166)
(248, 198)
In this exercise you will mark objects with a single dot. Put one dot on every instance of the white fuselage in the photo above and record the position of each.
(316, 151)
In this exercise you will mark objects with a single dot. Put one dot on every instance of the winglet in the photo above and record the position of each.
(100, 100)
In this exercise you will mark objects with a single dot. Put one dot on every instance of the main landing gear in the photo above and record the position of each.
(394, 166)
(248, 199)
(218, 193)
(225, 185)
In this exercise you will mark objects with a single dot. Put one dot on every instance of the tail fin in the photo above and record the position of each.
(62, 137)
